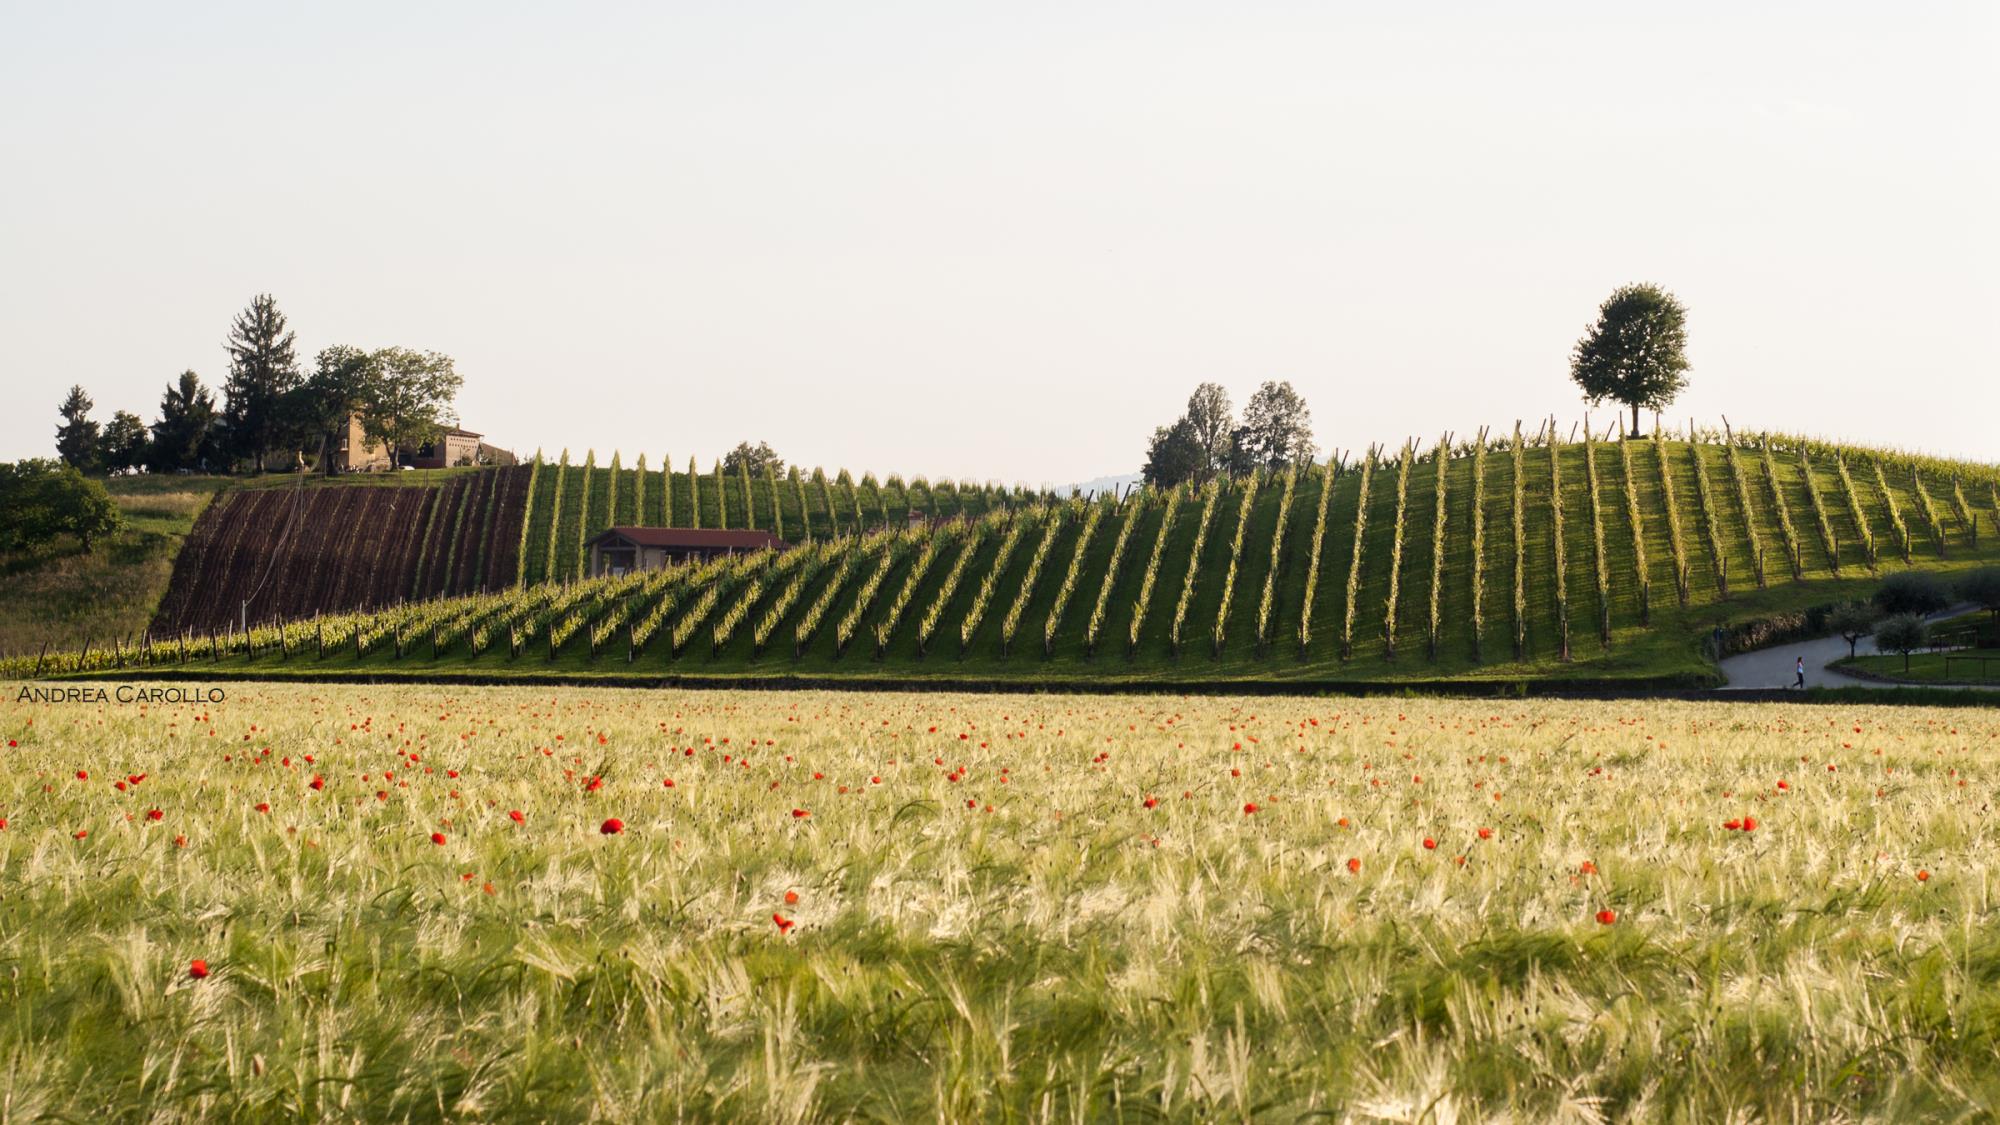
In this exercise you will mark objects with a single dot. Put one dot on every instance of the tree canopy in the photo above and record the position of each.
(46, 499)
(1636, 353)
(263, 373)
(754, 459)
(184, 436)
(77, 437)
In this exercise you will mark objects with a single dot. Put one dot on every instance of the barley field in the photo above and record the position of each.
(455, 903)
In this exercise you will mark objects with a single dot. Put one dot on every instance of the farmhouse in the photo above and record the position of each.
(354, 452)
(451, 447)
(621, 550)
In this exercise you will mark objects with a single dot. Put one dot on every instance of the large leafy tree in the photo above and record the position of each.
(1173, 456)
(263, 373)
(125, 443)
(341, 385)
(1212, 426)
(409, 396)
(1636, 353)
(184, 435)
(46, 499)
(77, 438)
(1276, 429)
(757, 459)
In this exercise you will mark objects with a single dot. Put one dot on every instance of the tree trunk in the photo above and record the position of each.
(1635, 419)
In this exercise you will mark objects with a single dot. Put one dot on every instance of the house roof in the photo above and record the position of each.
(457, 432)
(702, 537)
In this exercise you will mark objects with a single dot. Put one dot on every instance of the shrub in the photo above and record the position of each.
(1982, 586)
(1904, 633)
(1911, 592)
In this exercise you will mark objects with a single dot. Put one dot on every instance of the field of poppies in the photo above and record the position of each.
(373, 903)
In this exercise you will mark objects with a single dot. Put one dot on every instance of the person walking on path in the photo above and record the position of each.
(1801, 673)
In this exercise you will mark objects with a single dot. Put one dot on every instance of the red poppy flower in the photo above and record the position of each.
(1923, 876)
(437, 838)
(1749, 824)
(154, 814)
(83, 775)
(1486, 833)
(263, 806)
(1430, 844)
(1354, 866)
(198, 968)
(1588, 868)
(668, 783)
(612, 826)
(791, 898)
(800, 814)
(317, 783)
(1249, 807)
(1732, 825)
(1606, 917)
(783, 923)
(516, 816)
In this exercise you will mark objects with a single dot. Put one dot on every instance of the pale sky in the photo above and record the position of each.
(1005, 241)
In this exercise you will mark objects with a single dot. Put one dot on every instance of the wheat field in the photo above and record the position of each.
(459, 903)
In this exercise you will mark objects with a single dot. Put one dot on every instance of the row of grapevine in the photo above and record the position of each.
(1434, 623)
(1895, 510)
(1929, 510)
(886, 627)
(929, 623)
(1711, 518)
(1676, 539)
(1739, 482)
(1093, 515)
(1783, 511)
(1561, 542)
(808, 626)
(1478, 538)
(527, 521)
(1635, 517)
(1152, 572)
(1600, 564)
(1820, 515)
(1052, 525)
(1133, 506)
(1396, 539)
(1520, 547)
(983, 597)
(1855, 512)
(1326, 482)
(788, 596)
(1235, 561)
(850, 623)
(1210, 493)
(1354, 564)
(1265, 601)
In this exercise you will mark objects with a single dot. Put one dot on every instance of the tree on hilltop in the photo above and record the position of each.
(263, 371)
(753, 459)
(408, 397)
(77, 437)
(184, 435)
(1636, 353)
(1276, 430)
(125, 446)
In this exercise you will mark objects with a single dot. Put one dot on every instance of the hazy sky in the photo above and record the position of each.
(1005, 241)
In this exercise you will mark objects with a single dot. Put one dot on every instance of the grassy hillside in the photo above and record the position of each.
(61, 596)
(1652, 546)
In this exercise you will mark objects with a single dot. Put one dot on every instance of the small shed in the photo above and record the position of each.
(622, 550)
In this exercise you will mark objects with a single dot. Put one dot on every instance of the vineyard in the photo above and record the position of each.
(1536, 554)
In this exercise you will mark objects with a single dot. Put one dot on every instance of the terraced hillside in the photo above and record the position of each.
(1516, 556)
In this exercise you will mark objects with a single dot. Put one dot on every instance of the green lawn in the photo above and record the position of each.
(1959, 667)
